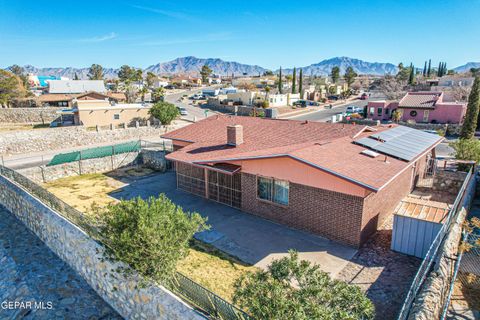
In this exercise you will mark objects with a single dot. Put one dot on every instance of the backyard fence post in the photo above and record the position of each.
(43, 174)
(80, 164)
(111, 156)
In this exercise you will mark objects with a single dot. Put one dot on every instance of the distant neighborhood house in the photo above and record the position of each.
(334, 180)
(420, 107)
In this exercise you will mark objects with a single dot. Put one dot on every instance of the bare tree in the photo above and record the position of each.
(459, 93)
(392, 88)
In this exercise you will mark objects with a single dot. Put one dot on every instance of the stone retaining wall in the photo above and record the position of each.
(448, 181)
(28, 115)
(39, 140)
(154, 159)
(431, 298)
(85, 256)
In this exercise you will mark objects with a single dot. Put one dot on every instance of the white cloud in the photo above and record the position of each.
(106, 37)
(167, 13)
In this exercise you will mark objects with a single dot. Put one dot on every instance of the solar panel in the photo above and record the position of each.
(400, 142)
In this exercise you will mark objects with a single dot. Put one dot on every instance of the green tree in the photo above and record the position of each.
(335, 74)
(300, 83)
(294, 80)
(268, 73)
(280, 84)
(270, 294)
(158, 94)
(11, 88)
(151, 78)
(403, 74)
(126, 73)
(350, 76)
(165, 112)
(205, 73)
(95, 72)
(471, 117)
(75, 77)
(151, 235)
(429, 68)
(425, 69)
(411, 76)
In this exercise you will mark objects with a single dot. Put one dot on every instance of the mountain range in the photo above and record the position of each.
(191, 65)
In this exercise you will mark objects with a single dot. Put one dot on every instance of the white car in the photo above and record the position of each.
(183, 112)
(353, 109)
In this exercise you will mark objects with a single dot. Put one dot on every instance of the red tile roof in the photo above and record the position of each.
(425, 100)
(325, 146)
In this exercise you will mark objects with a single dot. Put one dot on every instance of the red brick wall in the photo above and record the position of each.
(334, 215)
(378, 206)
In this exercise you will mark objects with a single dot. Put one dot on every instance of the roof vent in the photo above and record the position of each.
(370, 153)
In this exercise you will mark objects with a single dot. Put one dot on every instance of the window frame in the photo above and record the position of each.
(272, 191)
(115, 116)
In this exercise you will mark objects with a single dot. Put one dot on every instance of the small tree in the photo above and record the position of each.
(335, 74)
(165, 112)
(300, 83)
(294, 80)
(205, 73)
(350, 76)
(396, 115)
(411, 76)
(471, 117)
(280, 84)
(95, 72)
(270, 294)
(151, 77)
(466, 149)
(151, 235)
(158, 94)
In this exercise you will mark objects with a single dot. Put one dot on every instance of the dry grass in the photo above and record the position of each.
(467, 290)
(81, 192)
(212, 268)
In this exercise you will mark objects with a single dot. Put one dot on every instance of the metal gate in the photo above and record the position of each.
(427, 177)
(225, 188)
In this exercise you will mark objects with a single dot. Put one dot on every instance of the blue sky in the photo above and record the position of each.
(268, 33)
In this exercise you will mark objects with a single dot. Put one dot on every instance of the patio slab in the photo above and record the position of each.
(250, 238)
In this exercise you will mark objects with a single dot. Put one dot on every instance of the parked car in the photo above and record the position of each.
(333, 97)
(364, 96)
(183, 111)
(300, 103)
(353, 109)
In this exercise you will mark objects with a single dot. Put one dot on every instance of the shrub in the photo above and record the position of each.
(466, 149)
(270, 295)
(165, 112)
(150, 236)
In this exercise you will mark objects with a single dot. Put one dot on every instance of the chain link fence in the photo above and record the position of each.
(198, 296)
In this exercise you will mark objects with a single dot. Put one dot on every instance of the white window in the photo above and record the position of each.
(273, 190)
(372, 111)
(116, 116)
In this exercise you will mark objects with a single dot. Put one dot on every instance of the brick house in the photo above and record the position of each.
(421, 107)
(319, 177)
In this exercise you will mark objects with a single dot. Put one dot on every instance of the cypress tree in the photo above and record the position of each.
(429, 69)
(280, 89)
(425, 69)
(300, 82)
(439, 71)
(471, 117)
(411, 77)
(294, 80)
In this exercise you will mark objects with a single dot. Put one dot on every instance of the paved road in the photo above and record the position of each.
(30, 272)
(194, 112)
(326, 114)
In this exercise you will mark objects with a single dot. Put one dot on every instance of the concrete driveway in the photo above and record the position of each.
(252, 239)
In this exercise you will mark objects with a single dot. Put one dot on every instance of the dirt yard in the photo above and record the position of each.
(206, 265)
(383, 274)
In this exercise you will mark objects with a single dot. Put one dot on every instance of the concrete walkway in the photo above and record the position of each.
(250, 238)
(42, 284)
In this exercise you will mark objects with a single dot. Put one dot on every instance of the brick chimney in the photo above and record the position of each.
(234, 135)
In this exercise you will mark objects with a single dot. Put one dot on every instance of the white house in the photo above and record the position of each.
(76, 86)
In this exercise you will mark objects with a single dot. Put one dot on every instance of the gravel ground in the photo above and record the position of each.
(383, 274)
